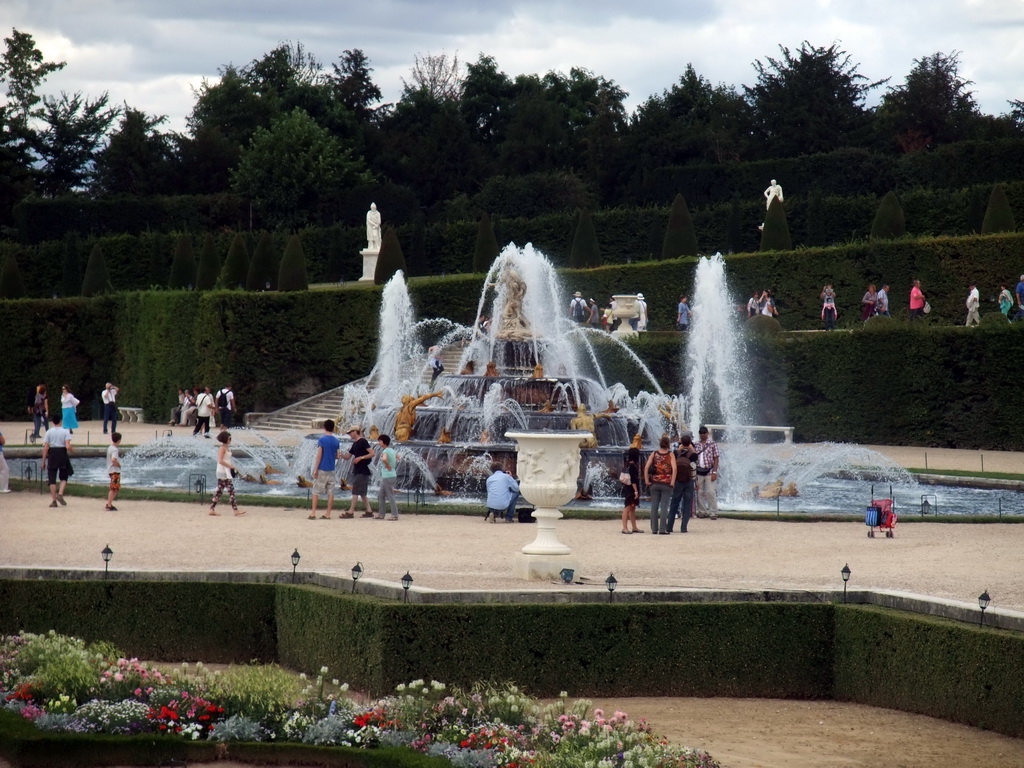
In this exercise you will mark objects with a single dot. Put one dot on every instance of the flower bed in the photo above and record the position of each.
(65, 686)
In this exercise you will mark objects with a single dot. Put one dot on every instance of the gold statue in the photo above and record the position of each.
(406, 416)
(267, 469)
(584, 421)
(303, 482)
(512, 325)
(485, 436)
(469, 369)
(538, 371)
(790, 490)
(374, 432)
(638, 442)
(491, 370)
(612, 408)
(547, 407)
(446, 436)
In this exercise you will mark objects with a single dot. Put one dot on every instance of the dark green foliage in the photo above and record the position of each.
(292, 276)
(995, 320)
(881, 324)
(236, 265)
(815, 220)
(998, 214)
(96, 280)
(889, 222)
(264, 267)
(680, 236)
(209, 265)
(763, 325)
(11, 284)
(775, 235)
(486, 249)
(390, 259)
(183, 267)
(71, 271)
(585, 252)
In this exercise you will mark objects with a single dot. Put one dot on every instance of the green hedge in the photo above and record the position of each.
(780, 650)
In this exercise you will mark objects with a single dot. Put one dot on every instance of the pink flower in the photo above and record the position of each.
(119, 677)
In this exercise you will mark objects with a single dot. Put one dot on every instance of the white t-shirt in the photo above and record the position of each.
(56, 437)
(205, 404)
(113, 454)
(109, 395)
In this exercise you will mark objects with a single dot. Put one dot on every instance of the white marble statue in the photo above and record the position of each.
(373, 228)
(774, 190)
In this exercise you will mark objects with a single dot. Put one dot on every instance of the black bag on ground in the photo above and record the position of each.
(525, 514)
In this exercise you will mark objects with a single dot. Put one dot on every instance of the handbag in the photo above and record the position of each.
(624, 478)
(927, 307)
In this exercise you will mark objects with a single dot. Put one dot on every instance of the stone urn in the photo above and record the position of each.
(548, 467)
(625, 310)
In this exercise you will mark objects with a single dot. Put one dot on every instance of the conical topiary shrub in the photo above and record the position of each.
(209, 265)
(680, 236)
(998, 214)
(292, 274)
(97, 279)
(236, 265)
(775, 235)
(183, 267)
(264, 267)
(585, 250)
(486, 249)
(390, 259)
(12, 286)
(889, 221)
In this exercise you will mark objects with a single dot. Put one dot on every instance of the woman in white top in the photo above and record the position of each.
(68, 403)
(226, 470)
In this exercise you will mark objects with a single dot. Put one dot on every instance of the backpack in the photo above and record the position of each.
(578, 309)
(222, 399)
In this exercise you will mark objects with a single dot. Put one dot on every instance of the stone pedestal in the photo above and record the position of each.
(548, 465)
(625, 310)
(369, 264)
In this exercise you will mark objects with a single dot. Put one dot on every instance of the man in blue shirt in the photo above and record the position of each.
(1019, 291)
(327, 449)
(502, 489)
(683, 314)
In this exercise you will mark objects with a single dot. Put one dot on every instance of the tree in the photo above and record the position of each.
(97, 279)
(810, 101)
(68, 145)
(585, 250)
(183, 266)
(285, 167)
(889, 221)
(209, 265)
(292, 275)
(486, 249)
(775, 235)
(933, 106)
(390, 259)
(136, 160)
(12, 286)
(435, 75)
(998, 214)
(487, 98)
(680, 236)
(22, 68)
(353, 86)
(236, 265)
(264, 267)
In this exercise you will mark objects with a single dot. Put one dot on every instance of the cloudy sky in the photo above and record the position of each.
(153, 53)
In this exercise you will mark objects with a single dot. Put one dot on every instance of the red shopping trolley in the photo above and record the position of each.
(881, 515)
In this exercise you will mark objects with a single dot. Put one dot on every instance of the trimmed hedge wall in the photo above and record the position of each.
(852, 653)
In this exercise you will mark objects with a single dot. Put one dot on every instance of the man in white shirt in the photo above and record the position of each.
(56, 451)
(973, 300)
(204, 410)
(109, 398)
(882, 301)
(226, 406)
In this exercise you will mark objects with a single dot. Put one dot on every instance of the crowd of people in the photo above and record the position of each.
(37, 405)
(200, 407)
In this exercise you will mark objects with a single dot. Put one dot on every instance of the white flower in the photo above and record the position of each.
(344, 687)
(323, 670)
(335, 682)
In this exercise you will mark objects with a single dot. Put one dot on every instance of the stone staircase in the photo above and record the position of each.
(307, 415)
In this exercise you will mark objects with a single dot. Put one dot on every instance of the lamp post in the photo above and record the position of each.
(846, 577)
(983, 601)
(357, 571)
(107, 553)
(406, 583)
(295, 562)
(611, 583)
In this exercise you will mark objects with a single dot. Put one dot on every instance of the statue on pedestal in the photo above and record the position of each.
(406, 417)
(373, 228)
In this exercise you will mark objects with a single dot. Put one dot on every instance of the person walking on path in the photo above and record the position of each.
(361, 455)
(683, 314)
(68, 404)
(226, 471)
(436, 362)
(882, 301)
(113, 470)
(388, 478)
(682, 491)
(1005, 300)
(5, 473)
(109, 398)
(917, 301)
(660, 476)
(707, 475)
(226, 406)
(595, 315)
(40, 412)
(1019, 295)
(579, 312)
(56, 452)
(204, 410)
(868, 303)
(328, 447)
(828, 308)
(631, 492)
(501, 490)
(641, 307)
(973, 300)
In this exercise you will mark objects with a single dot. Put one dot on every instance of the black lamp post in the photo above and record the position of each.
(406, 583)
(983, 601)
(846, 578)
(611, 583)
(357, 571)
(107, 553)
(295, 562)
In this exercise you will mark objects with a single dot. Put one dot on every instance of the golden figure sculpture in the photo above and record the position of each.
(612, 408)
(547, 407)
(513, 325)
(491, 370)
(538, 371)
(446, 436)
(585, 421)
(638, 442)
(374, 433)
(469, 369)
(406, 416)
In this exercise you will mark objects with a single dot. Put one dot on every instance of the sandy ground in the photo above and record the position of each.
(956, 561)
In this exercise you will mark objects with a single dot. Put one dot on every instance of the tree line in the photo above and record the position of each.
(290, 135)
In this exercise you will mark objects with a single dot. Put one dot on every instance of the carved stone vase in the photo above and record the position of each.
(625, 310)
(548, 465)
